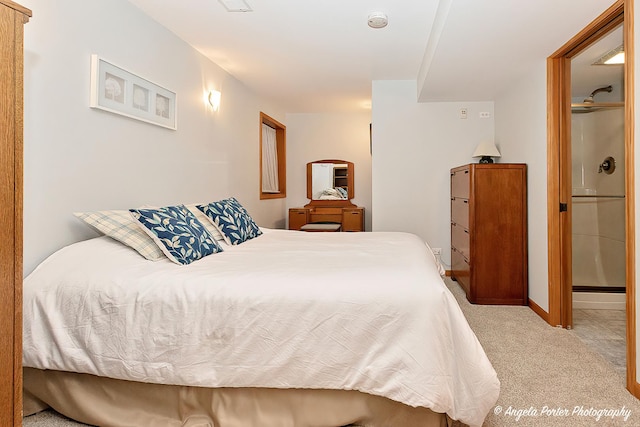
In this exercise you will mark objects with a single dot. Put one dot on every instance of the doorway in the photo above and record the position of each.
(598, 235)
(561, 179)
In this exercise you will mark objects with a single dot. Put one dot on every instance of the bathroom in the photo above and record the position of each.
(598, 199)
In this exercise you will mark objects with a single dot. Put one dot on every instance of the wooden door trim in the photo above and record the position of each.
(630, 215)
(13, 18)
(558, 187)
(18, 214)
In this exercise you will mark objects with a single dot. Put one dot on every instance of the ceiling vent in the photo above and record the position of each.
(236, 5)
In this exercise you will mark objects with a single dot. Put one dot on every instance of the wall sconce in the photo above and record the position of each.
(486, 150)
(214, 99)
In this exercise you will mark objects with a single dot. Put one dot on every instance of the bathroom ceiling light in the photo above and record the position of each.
(377, 20)
(613, 57)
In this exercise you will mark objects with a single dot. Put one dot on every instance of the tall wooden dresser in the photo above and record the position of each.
(12, 19)
(489, 232)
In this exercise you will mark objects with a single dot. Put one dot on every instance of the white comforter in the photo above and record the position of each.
(362, 311)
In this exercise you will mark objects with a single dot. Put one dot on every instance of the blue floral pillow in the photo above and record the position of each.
(177, 232)
(232, 219)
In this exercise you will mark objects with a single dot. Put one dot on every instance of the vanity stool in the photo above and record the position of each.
(320, 227)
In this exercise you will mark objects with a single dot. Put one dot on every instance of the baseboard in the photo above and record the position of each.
(539, 310)
(599, 301)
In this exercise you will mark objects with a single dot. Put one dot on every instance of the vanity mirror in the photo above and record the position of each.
(330, 181)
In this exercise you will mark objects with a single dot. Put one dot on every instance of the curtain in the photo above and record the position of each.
(269, 160)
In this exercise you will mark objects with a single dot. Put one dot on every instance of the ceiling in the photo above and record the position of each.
(321, 56)
(586, 77)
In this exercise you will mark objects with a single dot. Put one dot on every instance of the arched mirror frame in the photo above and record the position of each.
(337, 203)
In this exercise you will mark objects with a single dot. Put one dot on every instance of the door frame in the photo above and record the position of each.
(559, 173)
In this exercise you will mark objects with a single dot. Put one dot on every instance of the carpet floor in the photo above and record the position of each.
(548, 376)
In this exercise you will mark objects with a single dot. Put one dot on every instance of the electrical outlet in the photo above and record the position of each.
(437, 251)
(463, 113)
(484, 114)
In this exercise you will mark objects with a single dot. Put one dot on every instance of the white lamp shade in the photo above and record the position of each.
(486, 148)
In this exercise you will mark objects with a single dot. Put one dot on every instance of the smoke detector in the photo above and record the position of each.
(377, 20)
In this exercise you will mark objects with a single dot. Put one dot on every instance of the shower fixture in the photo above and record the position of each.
(607, 166)
(589, 99)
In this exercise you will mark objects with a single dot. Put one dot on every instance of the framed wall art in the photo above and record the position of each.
(119, 91)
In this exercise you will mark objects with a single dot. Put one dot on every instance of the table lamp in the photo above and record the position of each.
(486, 150)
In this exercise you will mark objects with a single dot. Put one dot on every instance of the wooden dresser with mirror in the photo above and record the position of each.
(329, 190)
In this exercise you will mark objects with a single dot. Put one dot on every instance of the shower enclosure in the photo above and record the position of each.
(597, 145)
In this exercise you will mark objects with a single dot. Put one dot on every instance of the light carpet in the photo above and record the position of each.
(548, 376)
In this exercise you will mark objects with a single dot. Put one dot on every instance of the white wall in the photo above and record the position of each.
(414, 147)
(343, 136)
(521, 132)
(78, 158)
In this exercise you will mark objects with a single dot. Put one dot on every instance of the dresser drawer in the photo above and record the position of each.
(326, 211)
(460, 212)
(298, 218)
(337, 218)
(353, 219)
(460, 269)
(460, 239)
(460, 182)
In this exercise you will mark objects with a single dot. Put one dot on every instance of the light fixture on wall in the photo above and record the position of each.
(486, 150)
(214, 99)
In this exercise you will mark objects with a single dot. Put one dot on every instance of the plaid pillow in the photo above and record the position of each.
(119, 225)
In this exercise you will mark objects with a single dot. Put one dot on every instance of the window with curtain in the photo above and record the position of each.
(269, 160)
(273, 166)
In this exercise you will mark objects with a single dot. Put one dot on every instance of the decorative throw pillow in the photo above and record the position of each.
(119, 225)
(215, 233)
(177, 232)
(232, 219)
(196, 212)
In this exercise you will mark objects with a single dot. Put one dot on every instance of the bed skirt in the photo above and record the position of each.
(109, 402)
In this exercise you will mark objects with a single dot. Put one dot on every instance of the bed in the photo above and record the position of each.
(289, 328)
